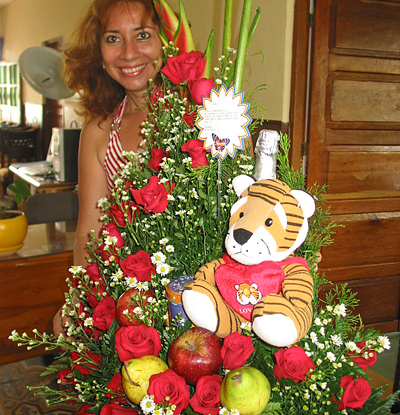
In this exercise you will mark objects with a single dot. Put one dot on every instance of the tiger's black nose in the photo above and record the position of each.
(241, 236)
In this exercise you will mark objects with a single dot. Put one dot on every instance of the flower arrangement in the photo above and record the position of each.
(167, 216)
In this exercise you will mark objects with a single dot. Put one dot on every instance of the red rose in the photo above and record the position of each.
(206, 398)
(292, 363)
(356, 392)
(138, 266)
(83, 410)
(362, 361)
(113, 232)
(115, 385)
(236, 350)
(93, 272)
(189, 118)
(104, 314)
(137, 341)
(200, 88)
(86, 363)
(119, 215)
(115, 409)
(157, 155)
(196, 151)
(181, 68)
(153, 196)
(172, 385)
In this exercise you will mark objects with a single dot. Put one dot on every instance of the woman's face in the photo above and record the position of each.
(130, 49)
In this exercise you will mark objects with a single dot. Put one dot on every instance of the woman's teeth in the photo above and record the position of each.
(132, 70)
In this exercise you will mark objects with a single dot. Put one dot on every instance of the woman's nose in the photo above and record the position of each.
(130, 50)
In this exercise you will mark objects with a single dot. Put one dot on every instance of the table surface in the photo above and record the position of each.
(38, 180)
(45, 239)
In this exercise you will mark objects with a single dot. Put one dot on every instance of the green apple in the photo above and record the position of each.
(246, 389)
(136, 374)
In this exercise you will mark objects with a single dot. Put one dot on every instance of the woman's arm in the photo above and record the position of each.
(92, 186)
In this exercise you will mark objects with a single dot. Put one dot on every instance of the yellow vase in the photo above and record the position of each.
(13, 231)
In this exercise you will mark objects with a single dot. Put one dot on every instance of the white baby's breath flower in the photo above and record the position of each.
(147, 404)
(158, 258)
(75, 269)
(384, 342)
(340, 310)
(336, 339)
(130, 281)
(88, 322)
(313, 337)
(110, 240)
(102, 202)
(163, 269)
(117, 276)
(351, 346)
(246, 325)
(169, 248)
(331, 357)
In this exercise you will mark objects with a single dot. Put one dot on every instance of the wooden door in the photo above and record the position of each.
(354, 147)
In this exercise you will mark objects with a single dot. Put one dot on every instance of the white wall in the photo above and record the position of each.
(28, 23)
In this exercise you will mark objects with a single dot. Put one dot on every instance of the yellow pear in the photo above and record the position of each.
(246, 389)
(136, 374)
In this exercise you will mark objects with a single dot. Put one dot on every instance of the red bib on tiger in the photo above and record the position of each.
(242, 286)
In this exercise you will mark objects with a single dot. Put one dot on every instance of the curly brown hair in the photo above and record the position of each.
(83, 67)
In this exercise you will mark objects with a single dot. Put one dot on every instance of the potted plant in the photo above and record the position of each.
(13, 223)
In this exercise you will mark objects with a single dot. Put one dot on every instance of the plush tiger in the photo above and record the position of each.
(267, 224)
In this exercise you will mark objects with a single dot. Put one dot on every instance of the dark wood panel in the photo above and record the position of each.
(354, 171)
(364, 239)
(40, 284)
(361, 137)
(370, 292)
(365, 64)
(371, 28)
(368, 202)
(365, 101)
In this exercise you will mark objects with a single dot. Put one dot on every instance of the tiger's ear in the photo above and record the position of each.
(241, 183)
(306, 202)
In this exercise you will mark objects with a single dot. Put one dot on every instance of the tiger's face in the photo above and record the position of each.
(268, 222)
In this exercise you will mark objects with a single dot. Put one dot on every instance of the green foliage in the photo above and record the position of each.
(21, 191)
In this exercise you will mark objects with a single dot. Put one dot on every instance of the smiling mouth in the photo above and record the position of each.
(132, 70)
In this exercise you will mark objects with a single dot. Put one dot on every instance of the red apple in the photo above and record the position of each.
(129, 300)
(194, 354)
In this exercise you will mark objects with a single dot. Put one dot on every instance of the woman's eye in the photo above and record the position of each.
(143, 35)
(112, 39)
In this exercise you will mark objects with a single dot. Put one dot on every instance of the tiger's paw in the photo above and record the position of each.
(199, 309)
(275, 329)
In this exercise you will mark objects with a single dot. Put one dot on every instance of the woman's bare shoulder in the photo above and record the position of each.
(96, 128)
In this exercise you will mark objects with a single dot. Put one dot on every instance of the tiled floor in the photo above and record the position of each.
(15, 399)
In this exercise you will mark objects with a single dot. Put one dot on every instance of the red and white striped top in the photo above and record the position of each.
(114, 159)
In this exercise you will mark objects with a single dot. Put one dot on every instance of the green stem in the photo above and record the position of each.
(252, 29)
(242, 45)
(227, 26)
(254, 25)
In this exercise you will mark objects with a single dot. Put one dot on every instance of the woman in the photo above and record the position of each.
(115, 51)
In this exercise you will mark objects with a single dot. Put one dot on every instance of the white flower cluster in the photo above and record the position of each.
(149, 407)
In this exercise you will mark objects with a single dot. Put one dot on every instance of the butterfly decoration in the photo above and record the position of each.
(220, 143)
